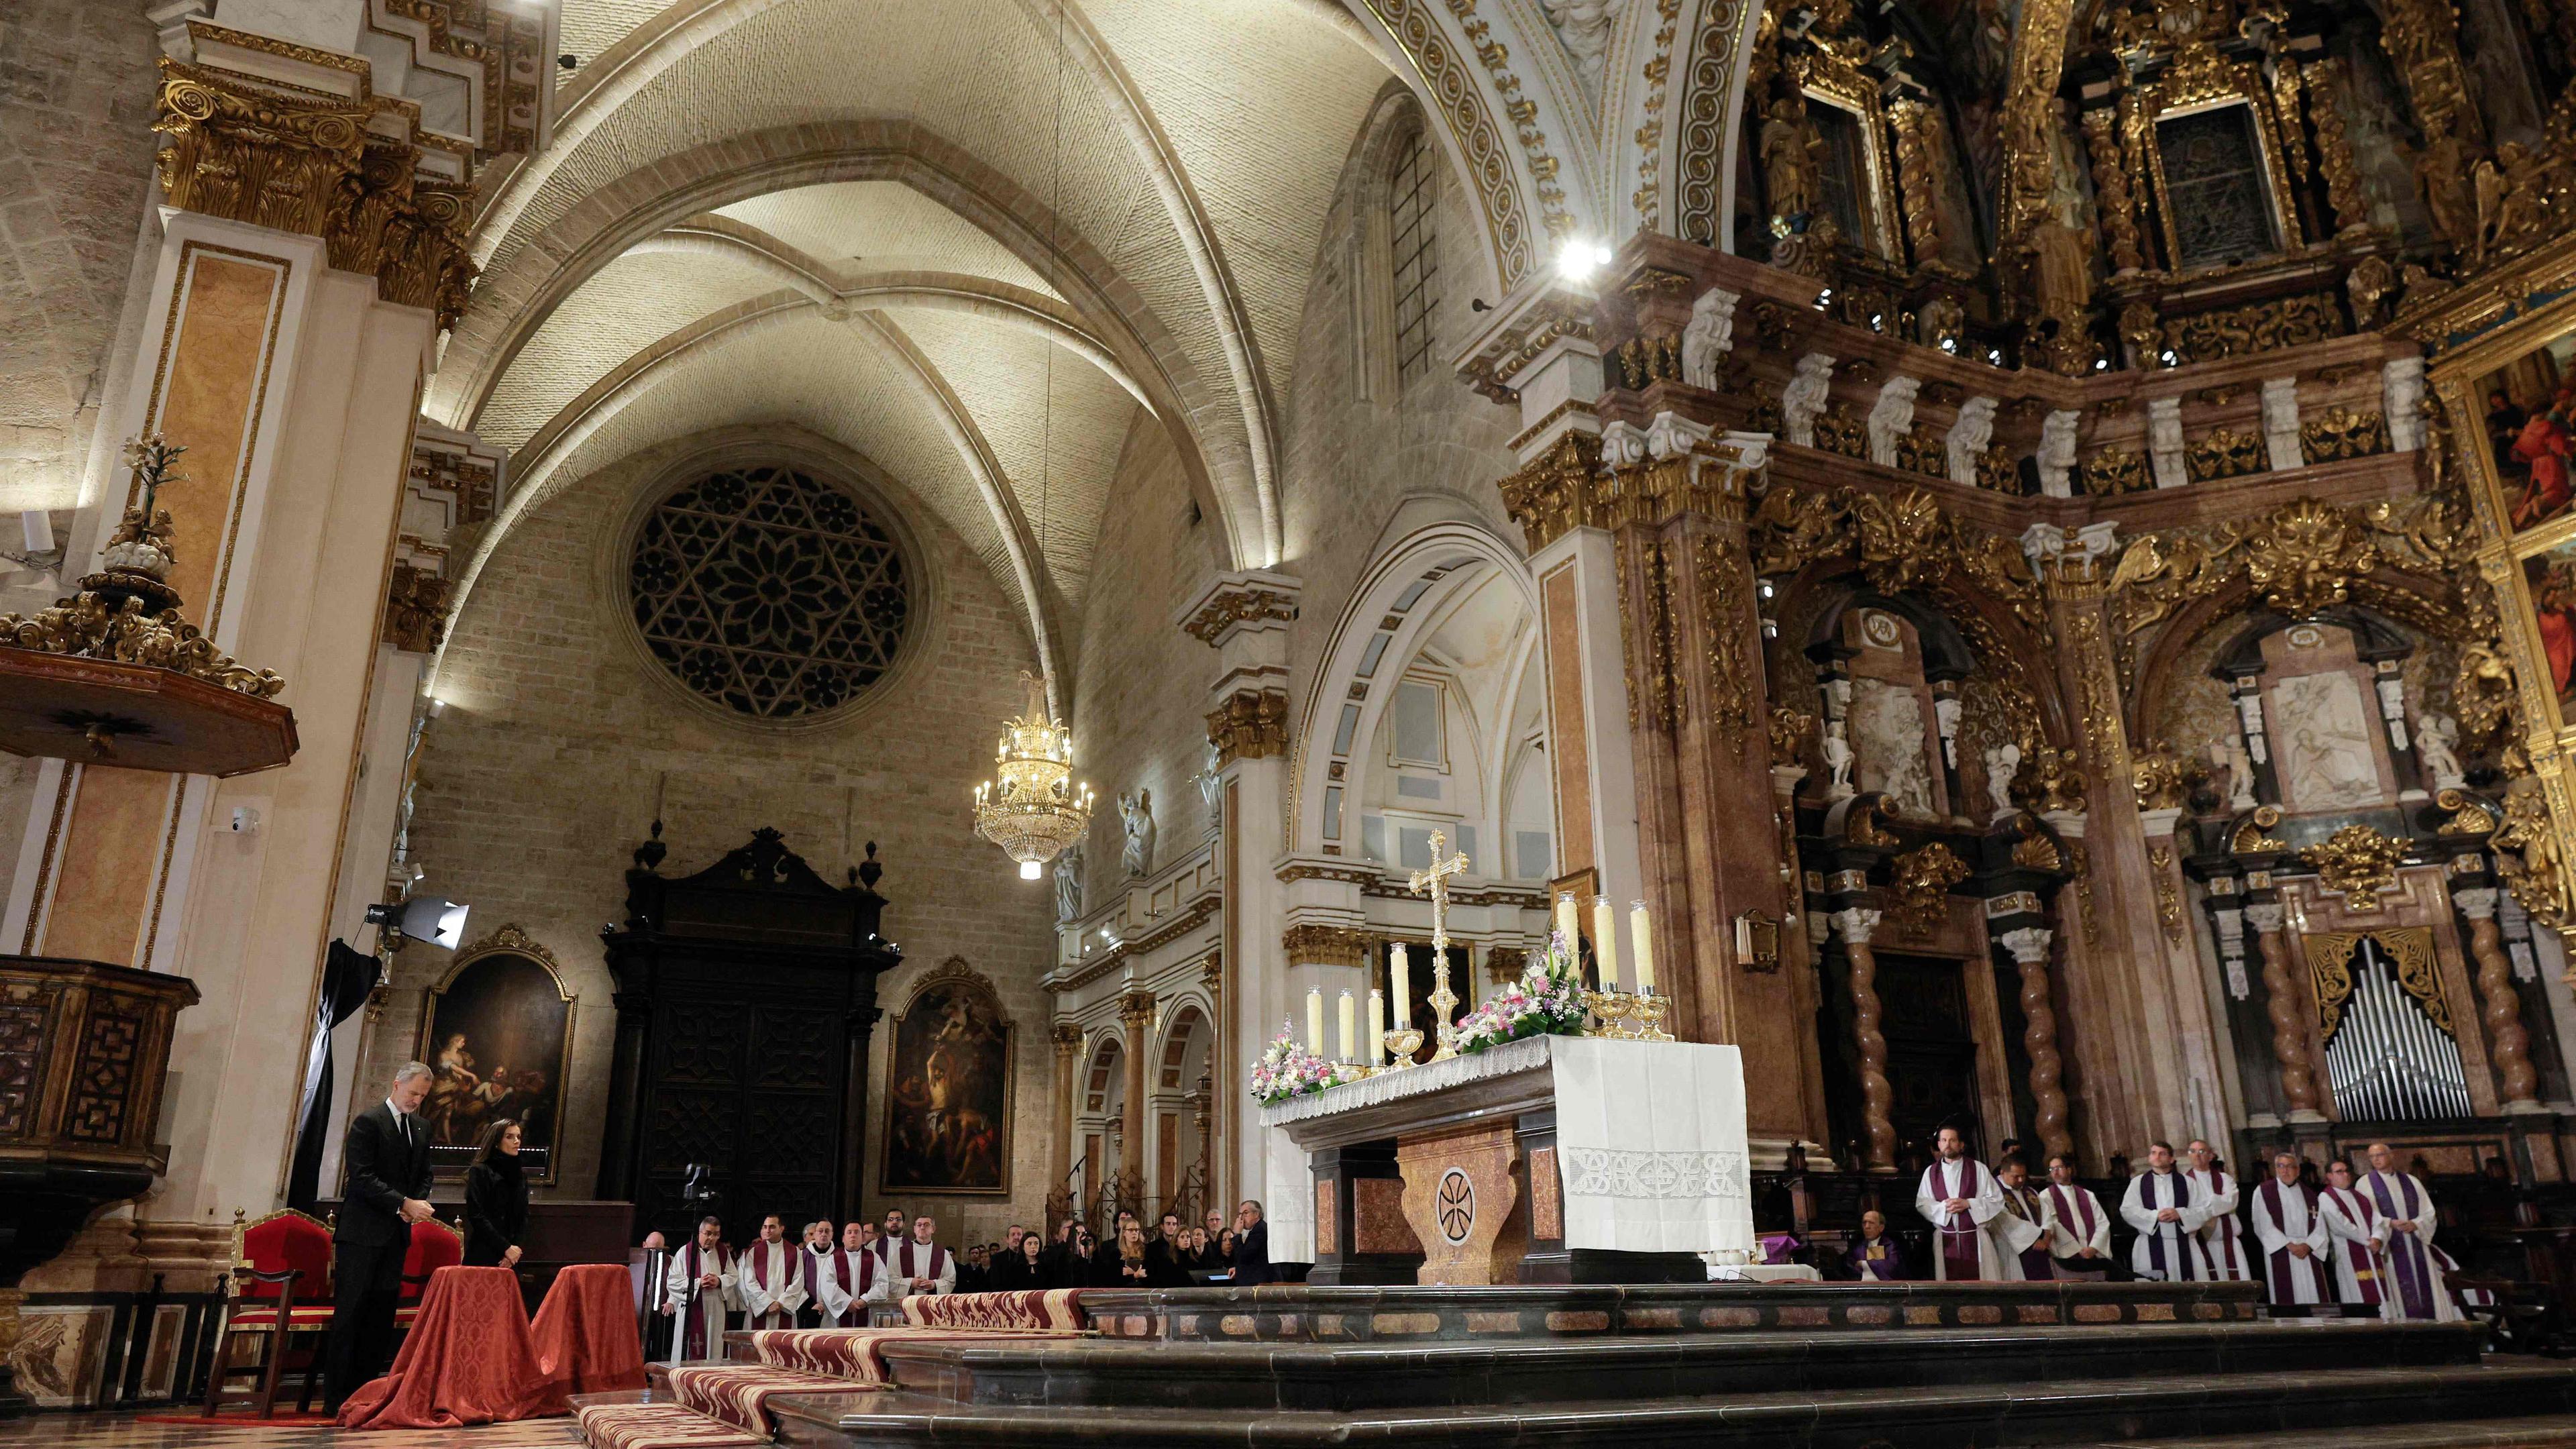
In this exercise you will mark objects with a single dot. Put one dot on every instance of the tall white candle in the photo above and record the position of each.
(1315, 1020)
(1605, 942)
(1403, 989)
(1565, 922)
(1349, 1048)
(1644, 947)
(1376, 1028)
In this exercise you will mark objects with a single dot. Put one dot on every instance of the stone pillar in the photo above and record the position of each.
(2508, 1042)
(1876, 1097)
(1245, 617)
(1136, 1013)
(2029, 947)
(1068, 1093)
(2282, 998)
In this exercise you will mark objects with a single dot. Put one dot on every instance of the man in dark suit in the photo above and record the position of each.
(1251, 1247)
(385, 1159)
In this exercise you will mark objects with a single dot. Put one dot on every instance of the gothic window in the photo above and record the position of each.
(770, 592)
(1412, 187)
(2213, 169)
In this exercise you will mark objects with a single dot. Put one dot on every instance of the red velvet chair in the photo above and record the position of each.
(434, 1245)
(282, 1293)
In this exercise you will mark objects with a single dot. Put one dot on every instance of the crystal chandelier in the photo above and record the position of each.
(1034, 809)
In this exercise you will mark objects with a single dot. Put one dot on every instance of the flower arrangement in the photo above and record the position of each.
(1547, 1000)
(1288, 1070)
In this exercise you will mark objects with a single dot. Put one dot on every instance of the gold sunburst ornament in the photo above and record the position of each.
(1032, 808)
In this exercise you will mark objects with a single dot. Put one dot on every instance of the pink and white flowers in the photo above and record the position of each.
(1288, 1070)
(1547, 1000)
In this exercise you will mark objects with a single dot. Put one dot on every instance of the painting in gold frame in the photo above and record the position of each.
(2548, 610)
(496, 1032)
(2526, 411)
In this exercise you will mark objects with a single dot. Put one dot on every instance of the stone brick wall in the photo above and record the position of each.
(76, 145)
(540, 779)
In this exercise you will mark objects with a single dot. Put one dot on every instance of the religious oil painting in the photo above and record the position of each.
(948, 1088)
(2527, 405)
(497, 1035)
(2550, 576)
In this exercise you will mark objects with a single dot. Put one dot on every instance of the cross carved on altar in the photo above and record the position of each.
(1435, 879)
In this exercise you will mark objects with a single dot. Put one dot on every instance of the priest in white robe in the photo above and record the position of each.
(920, 1265)
(2081, 1241)
(2027, 1203)
(768, 1279)
(2352, 1229)
(2296, 1245)
(1961, 1200)
(819, 1246)
(2164, 1207)
(2224, 1234)
(700, 1289)
(2416, 1287)
(889, 1237)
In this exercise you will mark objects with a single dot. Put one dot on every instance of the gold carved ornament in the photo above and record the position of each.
(2339, 433)
(2253, 835)
(1793, 734)
(2260, 327)
(2163, 777)
(2330, 970)
(2412, 949)
(2538, 877)
(2358, 861)
(1730, 681)
(2160, 859)
(1316, 945)
(1480, 142)
(1252, 724)
(2223, 452)
(1921, 882)
(1904, 542)
(2469, 815)
(2113, 471)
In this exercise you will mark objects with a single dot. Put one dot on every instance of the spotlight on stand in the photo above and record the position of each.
(434, 919)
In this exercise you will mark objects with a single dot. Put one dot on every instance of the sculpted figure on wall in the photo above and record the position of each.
(2325, 746)
(1887, 739)
(1136, 813)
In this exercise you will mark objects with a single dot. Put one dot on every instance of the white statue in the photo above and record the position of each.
(1891, 418)
(1068, 885)
(1137, 812)
(2003, 762)
(1710, 333)
(2437, 749)
(1211, 783)
(1584, 26)
(1970, 436)
(2057, 453)
(2228, 752)
(2401, 383)
(1804, 397)
(1838, 759)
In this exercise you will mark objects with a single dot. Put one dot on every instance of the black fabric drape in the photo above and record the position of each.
(347, 977)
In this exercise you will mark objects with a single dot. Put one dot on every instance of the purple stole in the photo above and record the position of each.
(2084, 1203)
(2036, 1266)
(2284, 1263)
(927, 1268)
(2363, 1256)
(2406, 1250)
(854, 1316)
(1877, 1262)
(694, 1340)
(2224, 1254)
(2156, 1231)
(758, 1262)
(1958, 1245)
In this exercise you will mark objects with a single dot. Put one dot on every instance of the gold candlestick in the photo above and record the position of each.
(1650, 1017)
(1401, 1044)
(1435, 880)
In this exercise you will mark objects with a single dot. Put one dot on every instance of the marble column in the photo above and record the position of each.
(2508, 1041)
(1068, 1094)
(2281, 1003)
(2029, 947)
(1876, 1098)
(1136, 1013)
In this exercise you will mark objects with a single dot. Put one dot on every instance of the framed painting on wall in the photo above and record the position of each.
(496, 1032)
(2548, 607)
(948, 1088)
(2525, 407)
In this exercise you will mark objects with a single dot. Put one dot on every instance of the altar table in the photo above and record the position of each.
(470, 1359)
(1551, 1159)
(585, 1334)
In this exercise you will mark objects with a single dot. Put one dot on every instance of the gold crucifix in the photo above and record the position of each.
(1435, 879)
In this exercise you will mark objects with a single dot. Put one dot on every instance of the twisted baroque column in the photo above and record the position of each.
(2281, 1002)
(2508, 1042)
(1876, 1097)
(2029, 947)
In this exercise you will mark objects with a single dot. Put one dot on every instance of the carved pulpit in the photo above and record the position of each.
(745, 997)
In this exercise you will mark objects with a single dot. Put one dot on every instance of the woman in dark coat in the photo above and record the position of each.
(1121, 1262)
(496, 1200)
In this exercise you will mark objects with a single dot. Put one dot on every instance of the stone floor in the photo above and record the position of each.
(127, 1431)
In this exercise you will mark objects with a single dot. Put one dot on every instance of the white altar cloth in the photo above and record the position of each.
(1650, 1139)
(1650, 1136)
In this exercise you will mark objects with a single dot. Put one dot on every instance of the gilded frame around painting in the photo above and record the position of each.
(955, 1016)
(443, 1009)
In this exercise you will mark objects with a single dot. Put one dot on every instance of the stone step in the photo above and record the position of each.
(1555, 1311)
(2301, 1409)
(2554, 1431)
(1352, 1377)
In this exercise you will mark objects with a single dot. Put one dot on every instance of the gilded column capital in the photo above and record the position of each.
(1312, 944)
(1068, 1038)
(1250, 724)
(1136, 1009)
(1237, 601)
(1636, 475)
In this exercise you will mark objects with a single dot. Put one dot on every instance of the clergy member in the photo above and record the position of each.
(768, 1279)
(2224, 1233)
(890, 1235)
(2415, 1285)
(2165, 1208)
(811, 1265)
(922, 1266)
(1958, 1197)
(1874, 1257)
(2027, 1203)
(2082, 1237)
(851, 1278)
(701, 1281)
(2293, 1235)
(2352, 1227)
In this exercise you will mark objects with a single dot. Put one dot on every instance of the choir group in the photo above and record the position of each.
(2361, 1241)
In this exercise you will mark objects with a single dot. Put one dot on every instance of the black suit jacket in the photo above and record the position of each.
(381, 1172)
(1252, 1256)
